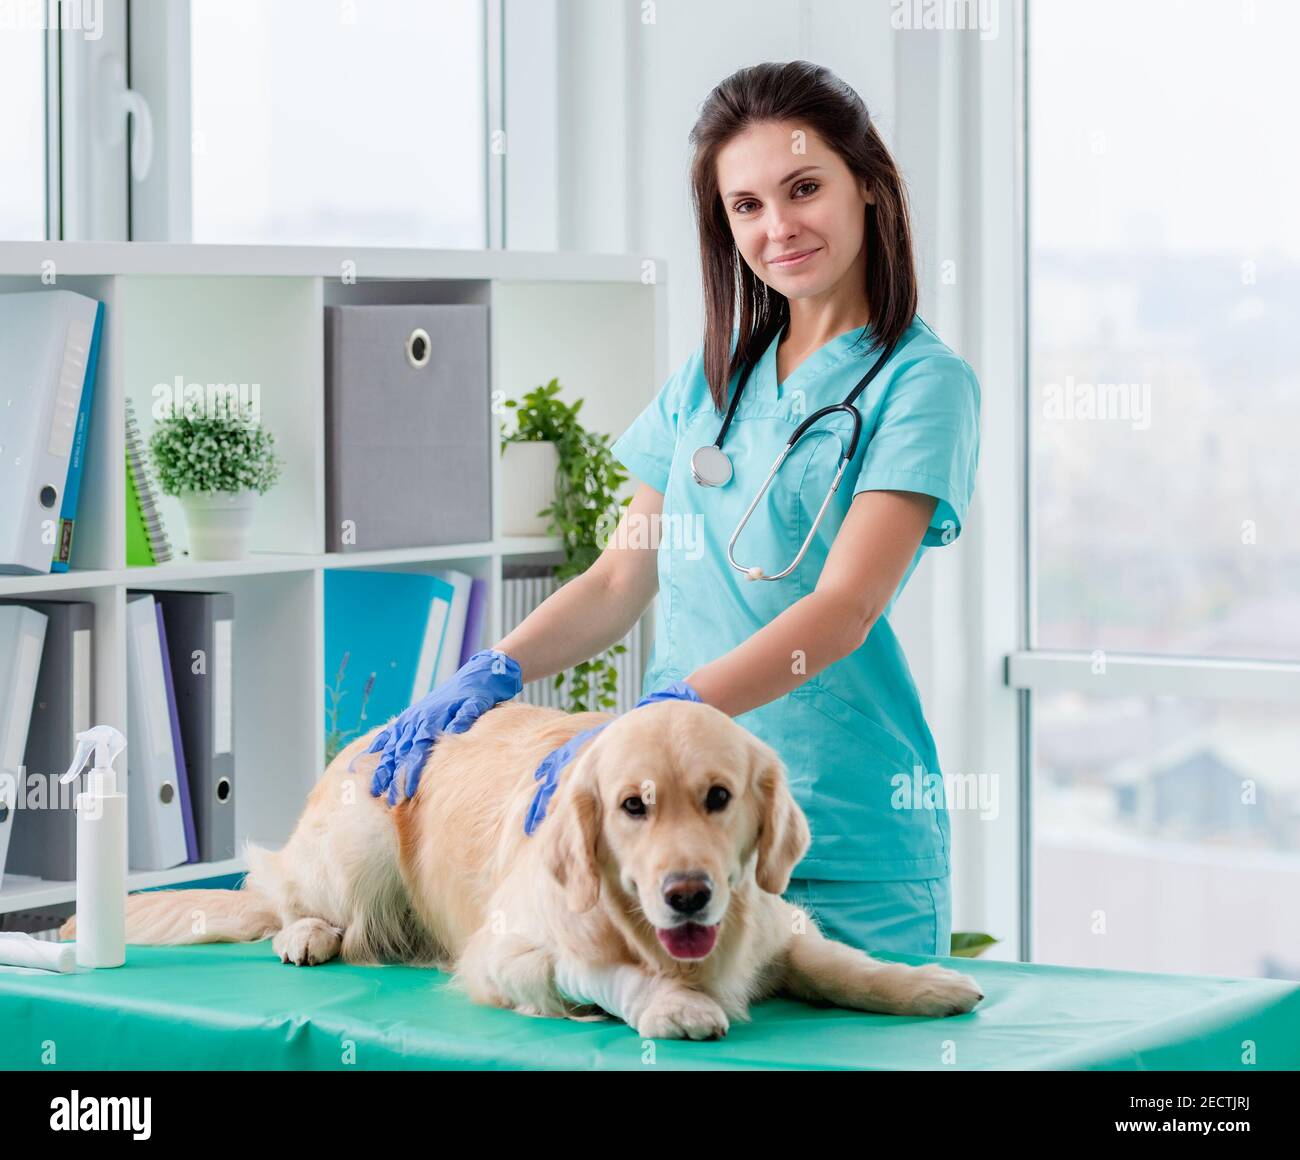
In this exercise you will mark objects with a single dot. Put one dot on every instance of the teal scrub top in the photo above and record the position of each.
(858, 752)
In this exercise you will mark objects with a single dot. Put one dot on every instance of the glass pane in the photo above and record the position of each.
(1164, 350)
(359, 123)
(22, 136)
(1166, 835)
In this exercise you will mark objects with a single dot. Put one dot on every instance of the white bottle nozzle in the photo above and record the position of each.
(106, 743)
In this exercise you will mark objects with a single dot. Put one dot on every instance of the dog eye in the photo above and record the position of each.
(717, 799)
(634, 806)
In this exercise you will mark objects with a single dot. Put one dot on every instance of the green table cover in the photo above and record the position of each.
(237, 1006)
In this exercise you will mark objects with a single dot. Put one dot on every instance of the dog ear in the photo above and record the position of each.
(783, 834)
(571, 832)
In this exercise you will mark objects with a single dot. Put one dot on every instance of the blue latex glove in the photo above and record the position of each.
(482, 682)
(548, 773)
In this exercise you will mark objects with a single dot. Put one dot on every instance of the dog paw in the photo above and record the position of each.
(307, 942)
(678, 1013)
(938, 991)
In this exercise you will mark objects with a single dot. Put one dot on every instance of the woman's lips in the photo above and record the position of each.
(794, 260)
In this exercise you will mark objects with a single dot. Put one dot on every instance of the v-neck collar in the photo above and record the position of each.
(824, 359)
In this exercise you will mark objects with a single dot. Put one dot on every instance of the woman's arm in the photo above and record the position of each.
(595, 610)
(863, 569)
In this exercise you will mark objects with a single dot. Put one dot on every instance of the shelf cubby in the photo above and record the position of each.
(255, 314)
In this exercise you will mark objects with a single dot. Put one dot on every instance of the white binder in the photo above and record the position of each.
(45, 343)
(156, 825)
(22, 637)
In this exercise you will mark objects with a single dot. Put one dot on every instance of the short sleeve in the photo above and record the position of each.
(927, 440)
(646, 447)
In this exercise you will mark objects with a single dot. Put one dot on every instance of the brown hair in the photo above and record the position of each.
(812, 94)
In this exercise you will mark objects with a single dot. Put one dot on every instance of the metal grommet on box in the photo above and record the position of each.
(166, 792)
(223, 789)
(418, 348)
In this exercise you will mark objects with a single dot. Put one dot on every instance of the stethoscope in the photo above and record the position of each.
(711, 466)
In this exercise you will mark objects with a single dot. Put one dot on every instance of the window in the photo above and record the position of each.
(22, 141)
(1165, 360)
(1164, 402)
(1165, 834)
(355, 123)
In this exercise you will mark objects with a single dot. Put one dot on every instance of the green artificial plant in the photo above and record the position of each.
(586, 507)
(227, 450)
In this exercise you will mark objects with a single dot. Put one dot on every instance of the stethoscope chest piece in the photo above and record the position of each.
(711, 466)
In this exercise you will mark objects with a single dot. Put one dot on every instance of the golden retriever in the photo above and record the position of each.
(651, 891)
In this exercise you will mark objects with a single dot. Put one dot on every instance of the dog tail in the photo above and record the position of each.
(184, 917)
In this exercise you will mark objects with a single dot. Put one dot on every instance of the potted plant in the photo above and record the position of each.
(215, 464)
(575, 475)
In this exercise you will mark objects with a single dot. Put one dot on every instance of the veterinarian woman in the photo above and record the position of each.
(803, 222)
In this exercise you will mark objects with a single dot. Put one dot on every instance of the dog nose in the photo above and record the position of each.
(688, 893)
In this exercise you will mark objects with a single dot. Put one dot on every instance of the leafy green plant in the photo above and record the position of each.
(227, 450)
(970, 944)
(586, 507)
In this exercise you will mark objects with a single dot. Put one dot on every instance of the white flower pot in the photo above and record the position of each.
(219, 523)
(527, 486)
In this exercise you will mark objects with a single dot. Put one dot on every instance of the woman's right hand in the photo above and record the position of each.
(482, 682)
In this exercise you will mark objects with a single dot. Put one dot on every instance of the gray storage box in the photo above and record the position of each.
(407, 432)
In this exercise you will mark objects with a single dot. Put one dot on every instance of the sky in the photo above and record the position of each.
(1167, 123)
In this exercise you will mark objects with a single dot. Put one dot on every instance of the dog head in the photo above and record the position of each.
(671, 804)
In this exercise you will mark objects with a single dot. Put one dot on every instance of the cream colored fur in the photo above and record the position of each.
(562, 923)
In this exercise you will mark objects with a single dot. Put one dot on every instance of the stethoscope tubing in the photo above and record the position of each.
(846, 456)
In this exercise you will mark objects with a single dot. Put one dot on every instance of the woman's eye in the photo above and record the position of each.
(717, 799)
(804, 183)
(634, 806)
(739, 208)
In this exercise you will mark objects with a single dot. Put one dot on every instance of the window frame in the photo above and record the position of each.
(1031, 669)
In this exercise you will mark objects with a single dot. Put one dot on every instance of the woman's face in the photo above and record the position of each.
(786, 192)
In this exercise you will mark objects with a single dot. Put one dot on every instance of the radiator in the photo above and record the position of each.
(524, 587)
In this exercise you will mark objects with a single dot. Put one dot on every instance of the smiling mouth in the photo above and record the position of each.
(794, 259)
(690, 940)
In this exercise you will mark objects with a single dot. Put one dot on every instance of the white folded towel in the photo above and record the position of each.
(21, 950)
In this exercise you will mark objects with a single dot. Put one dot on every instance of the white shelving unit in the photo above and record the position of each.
(255, 314)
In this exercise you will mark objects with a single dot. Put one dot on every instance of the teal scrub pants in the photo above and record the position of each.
(910, 917)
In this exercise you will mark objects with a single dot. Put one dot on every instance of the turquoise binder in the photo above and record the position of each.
(376, 627)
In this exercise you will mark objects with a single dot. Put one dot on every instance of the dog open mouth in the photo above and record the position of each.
(688, 941)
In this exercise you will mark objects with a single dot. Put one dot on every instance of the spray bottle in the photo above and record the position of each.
(101, 851)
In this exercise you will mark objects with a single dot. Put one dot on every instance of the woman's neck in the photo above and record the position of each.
(810, 327)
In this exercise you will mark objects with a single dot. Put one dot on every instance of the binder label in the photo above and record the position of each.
(222, 742)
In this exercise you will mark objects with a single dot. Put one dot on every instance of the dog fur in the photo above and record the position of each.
(566, 922)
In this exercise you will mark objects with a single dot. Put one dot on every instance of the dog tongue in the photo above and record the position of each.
(689, 941)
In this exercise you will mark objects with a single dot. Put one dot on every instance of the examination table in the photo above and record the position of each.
(237, 1006)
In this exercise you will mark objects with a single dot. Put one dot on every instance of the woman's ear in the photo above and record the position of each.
(783, 834)
(570, 832)
(868, 191)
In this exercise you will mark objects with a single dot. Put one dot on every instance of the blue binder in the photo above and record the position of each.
(49, 348)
